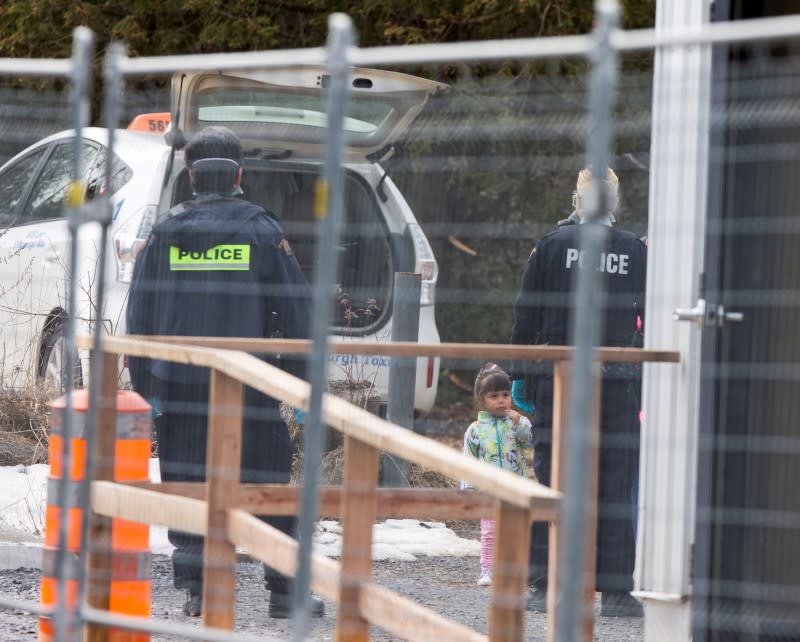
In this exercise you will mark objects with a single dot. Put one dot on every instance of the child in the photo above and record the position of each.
(498, 437)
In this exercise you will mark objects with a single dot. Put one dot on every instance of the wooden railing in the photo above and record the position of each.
(222, 509)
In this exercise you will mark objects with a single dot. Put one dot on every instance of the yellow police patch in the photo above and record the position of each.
(219, 257)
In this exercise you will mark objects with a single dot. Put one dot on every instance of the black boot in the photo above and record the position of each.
(280, 605)
(280, 589)
(194, 603)
(187, 570)
(537, 599)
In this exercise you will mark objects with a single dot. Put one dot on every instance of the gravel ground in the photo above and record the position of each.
(445, 584)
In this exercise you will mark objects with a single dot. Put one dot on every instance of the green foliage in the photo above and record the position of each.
(39, 28)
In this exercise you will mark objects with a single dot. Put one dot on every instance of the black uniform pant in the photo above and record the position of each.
(617, 488)
(266, 458)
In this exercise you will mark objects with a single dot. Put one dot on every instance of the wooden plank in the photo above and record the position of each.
(495, 351)
(502, 484)
(394, 613)
(558, 478)
(509, 574)
(590, 544)
(410, 620)
(150, 503)
(383, 435)
(149, 507)
(276, 549)
(420, 503)
(98, 579)
(377, 432)
(358, 517)
(561, 383)
(223, 462)
(356, 422)
(269, 545)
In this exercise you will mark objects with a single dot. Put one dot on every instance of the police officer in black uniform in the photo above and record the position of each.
(217, 266)
(542, 316)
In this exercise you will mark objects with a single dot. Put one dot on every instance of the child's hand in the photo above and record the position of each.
(513, 415)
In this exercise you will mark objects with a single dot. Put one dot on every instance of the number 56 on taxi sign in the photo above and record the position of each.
(156, 123)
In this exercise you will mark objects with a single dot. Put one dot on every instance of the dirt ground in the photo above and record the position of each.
(445, 584)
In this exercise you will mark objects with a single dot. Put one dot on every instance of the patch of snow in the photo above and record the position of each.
(22, 509)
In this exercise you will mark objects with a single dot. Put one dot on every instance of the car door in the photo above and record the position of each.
(746, 575)
(36, 250)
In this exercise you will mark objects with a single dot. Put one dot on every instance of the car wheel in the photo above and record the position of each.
(53, 360)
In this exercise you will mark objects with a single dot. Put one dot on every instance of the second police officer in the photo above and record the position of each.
(542, 316)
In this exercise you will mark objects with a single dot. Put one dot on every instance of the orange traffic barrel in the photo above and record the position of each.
(130, 541)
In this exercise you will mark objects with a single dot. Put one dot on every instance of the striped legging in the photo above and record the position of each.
(487, 543)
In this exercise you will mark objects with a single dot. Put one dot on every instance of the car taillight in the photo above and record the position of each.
(426, 264)
(129, 239)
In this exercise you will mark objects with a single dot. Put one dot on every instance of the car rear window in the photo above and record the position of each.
(264, 107)
(262, 114)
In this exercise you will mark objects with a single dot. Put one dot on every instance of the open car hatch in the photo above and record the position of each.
(283, 109)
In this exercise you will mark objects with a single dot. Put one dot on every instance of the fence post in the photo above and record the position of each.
(359, 508)
(589, 305)
(101, 427)
(66, 618)
(561, 386)
(223, 462)
(558, 476)
(510, 575)
(329, 209)
(98, 580)
(402, 371)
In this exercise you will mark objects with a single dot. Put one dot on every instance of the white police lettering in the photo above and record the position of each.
(610, 262)
(572, 256)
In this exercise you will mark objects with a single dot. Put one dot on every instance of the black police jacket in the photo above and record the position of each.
(220, 266)
(542, 310)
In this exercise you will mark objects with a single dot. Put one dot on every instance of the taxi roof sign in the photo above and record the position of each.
(156, 123)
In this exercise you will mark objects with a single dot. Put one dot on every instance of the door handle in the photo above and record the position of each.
(696, 314)
(734, 317)
(704, 314)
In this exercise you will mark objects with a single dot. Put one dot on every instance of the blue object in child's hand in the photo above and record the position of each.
(299, 416)
(520, 397)
(155, 407)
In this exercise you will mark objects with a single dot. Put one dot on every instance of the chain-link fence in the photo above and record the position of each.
(454, 166)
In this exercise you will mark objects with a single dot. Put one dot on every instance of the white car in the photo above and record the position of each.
(280, 118)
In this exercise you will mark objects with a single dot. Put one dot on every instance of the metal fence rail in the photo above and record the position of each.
(602, 50)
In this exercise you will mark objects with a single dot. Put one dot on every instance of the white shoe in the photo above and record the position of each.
(485, 579)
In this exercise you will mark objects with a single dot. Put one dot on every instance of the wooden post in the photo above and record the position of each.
(509, 574)
(590, 545)
(359, 507)
(561, 383)
(98, 587)
(223, 462)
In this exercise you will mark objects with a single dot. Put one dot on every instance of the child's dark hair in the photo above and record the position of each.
(491, 378)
